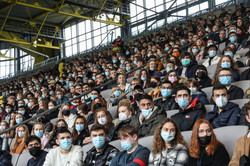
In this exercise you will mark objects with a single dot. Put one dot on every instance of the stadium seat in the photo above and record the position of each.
(211, 76)
(128, 95)
(156, 98)
(209, 108)
(14, 158)
(240, 102)
(242, 69)
(147, 142)
(243, 60)
(148, 90)
(117, 144)
(187, 136)
(85, 149)
(211, 69)
(243, 52)
(106, 93)
(53, 121)
(171, 113)
(244, 85)
(113, 111)
(201, 61)
(208, 91)
(89, 126)
(23, 159)
(222, 46)
(225, 136)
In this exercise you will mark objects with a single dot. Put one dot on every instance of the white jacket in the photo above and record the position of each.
(73, 158)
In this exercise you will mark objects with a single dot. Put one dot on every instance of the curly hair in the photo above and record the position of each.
(159, 143)
(195, 145)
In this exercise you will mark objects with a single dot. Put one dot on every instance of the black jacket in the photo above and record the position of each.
(185, 119)
(190, 72)
(219, 158)
(102, 158)
(81, 137)
(243, 120)
(148, 126)
(39, 160)
(245, 75)
(205, 82)
(168, 104)
(113, 133)
(5, 158)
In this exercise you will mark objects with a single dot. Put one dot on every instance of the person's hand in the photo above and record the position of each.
(87, 140)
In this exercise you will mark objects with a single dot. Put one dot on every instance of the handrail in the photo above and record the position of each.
(107, 83)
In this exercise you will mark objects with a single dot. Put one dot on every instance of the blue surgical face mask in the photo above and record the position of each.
(233, 30)
(93, 97)
(166, 48)
(20, 105)
(169, 69)
(37, 89)
(126, 145)
(233, 39)
(30, 89)
(166, 92)
(107, 73)
(114, 60)
(21, 112)
(229, 53)
(71, 84)
(195, 50)
(39, 133)
(146, 112)
(225, 80)
(117, 93)
(79, 127)
(151, 69)
(166, 136)
(98, 142)
(183, 102)
(185, 62)
(65, 143)
(94, 78)
(143, 78)
(135, 62)
(225, 65)
(212, 53)
(20, 120)
(128, 68)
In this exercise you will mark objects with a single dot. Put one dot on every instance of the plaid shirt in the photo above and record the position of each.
(177, 156)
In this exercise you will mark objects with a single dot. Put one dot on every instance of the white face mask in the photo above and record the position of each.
(102, 121)
(50, 107)
(2, 128)
(193, 90)
(122, 116)
(221, 101)
(20, 134)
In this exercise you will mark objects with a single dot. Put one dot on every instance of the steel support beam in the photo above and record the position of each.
(35, 52)
(6, 17)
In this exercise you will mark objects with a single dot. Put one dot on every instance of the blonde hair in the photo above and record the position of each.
(60, 115)
(26, 134)
(37, 123)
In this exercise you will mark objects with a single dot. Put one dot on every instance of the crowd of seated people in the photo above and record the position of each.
(176, 68)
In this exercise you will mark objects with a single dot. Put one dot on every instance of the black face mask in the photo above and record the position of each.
(97, 105)
(35, 151)
(60, 128)
(205, 140)
(152, 84)
(137, 96)
(201, 74)
(66, 112)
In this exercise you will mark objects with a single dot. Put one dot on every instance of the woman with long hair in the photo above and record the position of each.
(145, 77)
(205, 149)
(39, 131)
(169, 147)
(103, 117)
(65, 113)
(116, 95)
(19, 140)
(80, 130)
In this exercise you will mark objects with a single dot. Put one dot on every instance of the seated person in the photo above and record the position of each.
(116, 95)
(124, 114)
(168, 141)
(225, 113)
(34, 147)
(65, 113)
(136, 93)
(225, 78)
(75, 103)
(133, 154)
(245, 115)
(39, 131)
(102, 153)
(201, 75)
(205, 149)
(241, 151)
(167, 101)
(155, 83)
(80, 130)
(149, 117)
(104, 118)
(196, 92)
(5, 158)
(66, 152)
(21, 136)
(189, 110)
(213, 56)
(85, 111)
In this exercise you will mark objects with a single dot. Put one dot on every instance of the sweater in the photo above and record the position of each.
(73, 158)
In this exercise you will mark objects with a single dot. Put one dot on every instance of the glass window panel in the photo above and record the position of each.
(74, 41)
(182, 13)
(68, 51)
(74, 48)
(180, 2)
(73, 30)
(97, 40)
(67, 43)
(67, 33)
(89, 44)
(88, 36)
(193, 9)
(217, 2)
(82, 37)
(81, 26)
(88, 27)
(82, 46)
(203, 5)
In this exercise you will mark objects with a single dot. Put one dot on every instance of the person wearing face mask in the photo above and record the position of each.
(231, 52)
(32, 106)
(80, 130)
(188, 67)
(39, 131)
(189, 110)
(244, 115)
(60, 97)
(245, 75)
(124, 114)
(149, 117)
(116, 96)
(225, 113)
(102, 153)
(136, 94)
(233, 39)
(196, 92)
(167, 101)
(169, 147)
(19, 140)
(75, 103)
(213, 57)
(134, 153)
(21, 110)
(65, 113)
(103, 117)
(66, 154)
(205, 149)
(202, 77)
(34, 147)
(8, 110)
(155, 82)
